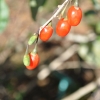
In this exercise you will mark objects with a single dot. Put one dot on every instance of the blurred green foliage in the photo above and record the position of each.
(4, 15)
(96, 4)
(90, 52)
(34, 5)
(93, 16)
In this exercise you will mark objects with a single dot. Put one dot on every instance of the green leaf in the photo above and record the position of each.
(4, 15)
(34, 6)
(26, 60)
(32, 39)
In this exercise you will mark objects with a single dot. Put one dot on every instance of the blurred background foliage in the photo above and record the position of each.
(4, 15)
(19, 19)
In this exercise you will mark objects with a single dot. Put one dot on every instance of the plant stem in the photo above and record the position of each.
(35, 49)
(54, 15)
(62, 13)
(76, 3)
(26, 52)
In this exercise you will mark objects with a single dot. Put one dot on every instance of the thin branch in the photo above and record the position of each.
(63, 57)
(55, 14)
(76, 65)
(45, 72)
(81, 38)
(83, 91)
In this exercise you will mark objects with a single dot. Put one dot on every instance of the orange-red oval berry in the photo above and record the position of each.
(63, 27)
(46, 33)
(74, 15)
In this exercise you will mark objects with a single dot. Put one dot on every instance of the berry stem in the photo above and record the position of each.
(35, 49)
(63, 11)
(76, 4)
(26, 52)
(50, 23)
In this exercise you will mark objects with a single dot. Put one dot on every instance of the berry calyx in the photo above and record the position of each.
(63, 27)
(46, 33)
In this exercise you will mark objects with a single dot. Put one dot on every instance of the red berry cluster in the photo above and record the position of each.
(73, 18)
